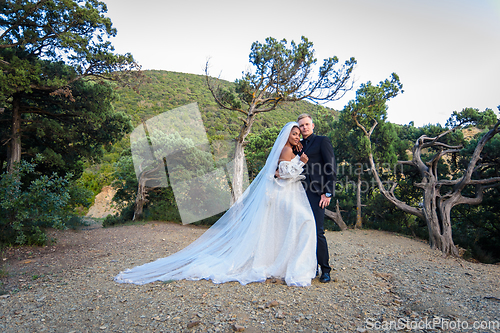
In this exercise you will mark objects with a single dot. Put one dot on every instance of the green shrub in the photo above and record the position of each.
(126, 215)
(112, 219)
(162, 211)
(28, 207)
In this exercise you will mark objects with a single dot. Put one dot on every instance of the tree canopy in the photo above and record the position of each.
(73, 32)
(46, 47)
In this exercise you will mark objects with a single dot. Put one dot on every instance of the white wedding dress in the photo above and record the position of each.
(268, 233)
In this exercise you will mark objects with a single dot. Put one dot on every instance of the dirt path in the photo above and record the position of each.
(382, 279)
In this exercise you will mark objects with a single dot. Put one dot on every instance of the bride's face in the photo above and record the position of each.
(294, 137)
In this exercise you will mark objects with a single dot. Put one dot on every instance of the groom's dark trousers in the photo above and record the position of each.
(321, 174)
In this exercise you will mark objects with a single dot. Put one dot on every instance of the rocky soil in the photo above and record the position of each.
(383, 281)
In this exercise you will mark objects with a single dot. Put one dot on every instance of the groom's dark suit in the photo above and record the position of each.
(321, 174)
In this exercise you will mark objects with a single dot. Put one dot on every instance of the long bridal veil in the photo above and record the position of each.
(269, 231)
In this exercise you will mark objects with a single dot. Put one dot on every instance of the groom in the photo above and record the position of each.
(321, 174)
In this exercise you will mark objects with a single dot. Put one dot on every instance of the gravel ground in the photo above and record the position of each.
(383, 281)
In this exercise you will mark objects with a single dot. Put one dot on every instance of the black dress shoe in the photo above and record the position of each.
(324, 278)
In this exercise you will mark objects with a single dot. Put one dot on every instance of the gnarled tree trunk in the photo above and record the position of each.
(239, 158)
(359, 222)
(140, 201)
(436, 210)
(336, 217)
(142, 189)
(439, 226)
(15, 139)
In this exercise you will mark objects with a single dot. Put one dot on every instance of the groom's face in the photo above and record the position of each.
(306, 127)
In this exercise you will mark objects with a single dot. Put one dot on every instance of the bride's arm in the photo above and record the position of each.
(286, 155)
(289, 167)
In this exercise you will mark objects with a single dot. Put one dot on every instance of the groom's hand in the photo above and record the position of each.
(324, 202)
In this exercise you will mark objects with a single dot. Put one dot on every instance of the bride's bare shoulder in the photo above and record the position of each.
(287, 154)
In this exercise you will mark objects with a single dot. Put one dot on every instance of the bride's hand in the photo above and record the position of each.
(304, 158)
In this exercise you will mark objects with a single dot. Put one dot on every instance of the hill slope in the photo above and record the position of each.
(163, 91)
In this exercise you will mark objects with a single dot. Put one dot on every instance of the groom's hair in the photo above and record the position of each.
(304, 115)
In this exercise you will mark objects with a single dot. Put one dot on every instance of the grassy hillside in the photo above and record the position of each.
(163, 91)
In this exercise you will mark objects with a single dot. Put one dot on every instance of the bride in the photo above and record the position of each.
(269, 232)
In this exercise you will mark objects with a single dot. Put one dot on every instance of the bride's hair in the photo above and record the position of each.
(295, 149)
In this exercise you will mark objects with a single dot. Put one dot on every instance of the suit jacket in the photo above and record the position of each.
(321, 169)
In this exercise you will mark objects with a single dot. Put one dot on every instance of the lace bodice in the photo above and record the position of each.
(291, 169)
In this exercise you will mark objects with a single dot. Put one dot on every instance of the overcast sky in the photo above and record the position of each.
(446, 52)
